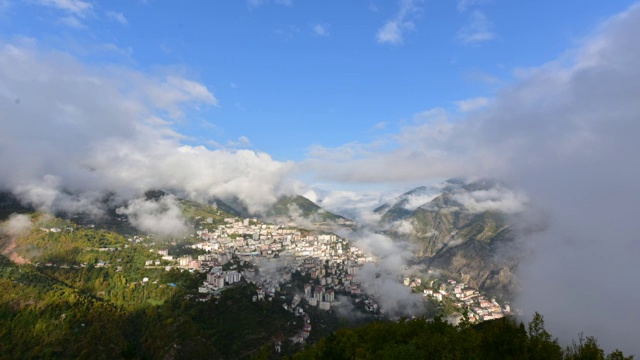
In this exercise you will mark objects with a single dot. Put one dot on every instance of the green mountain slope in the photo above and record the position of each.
(81, 294)
(302, 211)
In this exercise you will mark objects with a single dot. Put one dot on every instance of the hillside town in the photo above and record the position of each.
(267, 255)
(462, 298)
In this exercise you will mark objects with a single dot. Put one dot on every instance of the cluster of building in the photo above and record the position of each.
(218, 279)
(250, 238)
(330, 261)
(319, 295)
(465, 298)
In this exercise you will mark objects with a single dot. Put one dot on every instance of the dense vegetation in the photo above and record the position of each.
(437, 339)
(87, 293)
(41, 317)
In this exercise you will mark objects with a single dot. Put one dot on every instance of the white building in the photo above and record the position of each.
(218, 281)
(232, 277)
(185, 260)
(329, 295)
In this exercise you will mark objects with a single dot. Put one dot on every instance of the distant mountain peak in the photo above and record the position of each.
(457, 229)
(299, 210)
(403, 205)
(417, 191)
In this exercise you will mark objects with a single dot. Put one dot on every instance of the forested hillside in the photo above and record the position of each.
(423, 339)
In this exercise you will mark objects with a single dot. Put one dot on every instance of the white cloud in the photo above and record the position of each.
(76, 7)
(392, 32)
(117, 17)
(72, 22)
(73, 10)
(321, 29)
(403, 227)
(174, 91)
(477, 30)
(478, 27)
(242, 142)
(495, 199)
(355, 205)
(16, 225)
(380, 125)
(472, 104)
(162, 217)
(48, 194)
(395, 300)
(341, 153)
(381, 279)
(415, 201)
(91, 129)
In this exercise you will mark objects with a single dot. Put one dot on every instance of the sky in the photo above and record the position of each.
(288, 75)
(348, 103)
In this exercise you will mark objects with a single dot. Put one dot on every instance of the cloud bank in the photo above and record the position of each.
(495, 199)
(72, 133)
(162, 217)
(381, 279)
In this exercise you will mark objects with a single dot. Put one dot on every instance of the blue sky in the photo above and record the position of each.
(291, 74)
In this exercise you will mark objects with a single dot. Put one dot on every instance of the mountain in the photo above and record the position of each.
(402, 207)
(293, 209)
(303, 212)
(209, 209)
(463, 233)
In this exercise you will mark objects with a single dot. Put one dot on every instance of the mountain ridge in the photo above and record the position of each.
(460, 242)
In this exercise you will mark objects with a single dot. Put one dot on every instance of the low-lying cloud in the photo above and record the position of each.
(162, 217)
(495, 199)
(381, 279)
(394, 298)
(16, 225)
(75, 132)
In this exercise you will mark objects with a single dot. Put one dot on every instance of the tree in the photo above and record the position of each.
(585, 349)
(541, 345)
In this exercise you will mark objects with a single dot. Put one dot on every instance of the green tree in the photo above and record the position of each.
(541, 345)
(585, 349)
